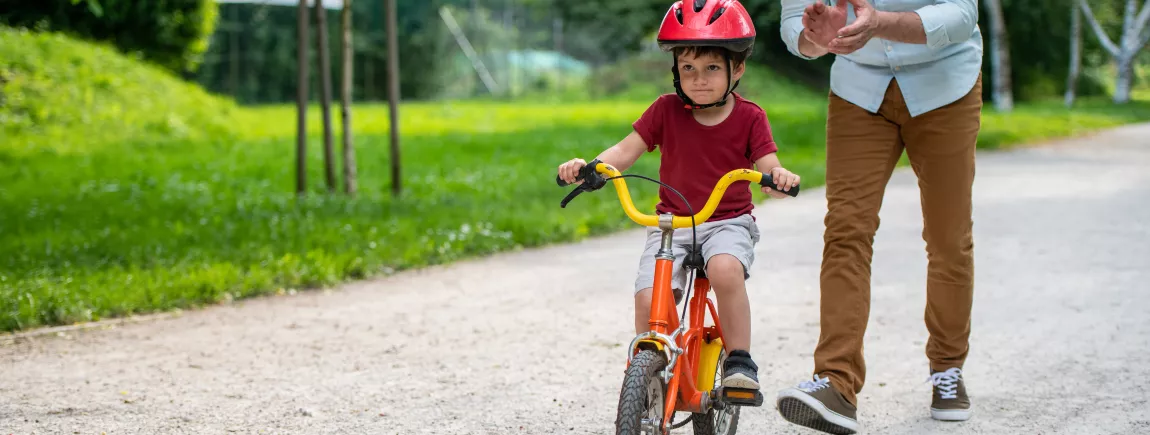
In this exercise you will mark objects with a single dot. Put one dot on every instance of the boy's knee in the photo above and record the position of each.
(725, 269)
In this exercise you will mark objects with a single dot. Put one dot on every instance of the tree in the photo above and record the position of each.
(1134, 37)
(349, 172)
(1000, 57)
(1038, 33)
(172, 34)
(609, 30)
(393, 95)
(1075, 54)
(301, 99)
(267, 31)
(325, 93)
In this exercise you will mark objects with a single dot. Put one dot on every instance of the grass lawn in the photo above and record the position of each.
(125, 191)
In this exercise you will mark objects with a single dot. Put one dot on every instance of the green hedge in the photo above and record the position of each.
(171, 33)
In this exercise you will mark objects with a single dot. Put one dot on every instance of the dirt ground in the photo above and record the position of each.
(532, 342)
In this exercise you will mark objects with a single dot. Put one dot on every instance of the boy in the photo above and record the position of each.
(705, 131)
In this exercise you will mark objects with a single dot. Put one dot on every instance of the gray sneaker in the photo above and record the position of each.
(950, 401)
(819, 406)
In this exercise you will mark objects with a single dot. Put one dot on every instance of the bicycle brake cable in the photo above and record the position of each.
(694, 239)
(694, 236)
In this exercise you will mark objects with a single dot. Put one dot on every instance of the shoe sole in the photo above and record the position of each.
(740, 380)
(804, 410)
(950, 414)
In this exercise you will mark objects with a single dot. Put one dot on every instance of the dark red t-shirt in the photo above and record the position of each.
(696, 156)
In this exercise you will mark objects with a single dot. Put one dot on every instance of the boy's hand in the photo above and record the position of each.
(568, 171)
(784, 179)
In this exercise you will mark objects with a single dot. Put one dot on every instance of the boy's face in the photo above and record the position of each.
(704, 77)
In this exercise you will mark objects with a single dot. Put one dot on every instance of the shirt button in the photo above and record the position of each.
(889, 48)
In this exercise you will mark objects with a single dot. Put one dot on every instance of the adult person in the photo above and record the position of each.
(906, 75)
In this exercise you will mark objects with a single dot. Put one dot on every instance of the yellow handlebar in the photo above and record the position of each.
(677, 221)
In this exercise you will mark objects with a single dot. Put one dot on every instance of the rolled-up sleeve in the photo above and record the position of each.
(791, 24)
(948, 22)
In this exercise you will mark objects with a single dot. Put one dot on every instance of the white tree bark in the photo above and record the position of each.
(1000, 58)
(1134, 37)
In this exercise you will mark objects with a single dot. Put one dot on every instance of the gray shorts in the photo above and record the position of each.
(736, 236)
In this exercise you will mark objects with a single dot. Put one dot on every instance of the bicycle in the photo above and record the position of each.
(659, 381)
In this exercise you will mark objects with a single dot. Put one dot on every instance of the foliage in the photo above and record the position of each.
(1039, 35)
(58, 94)
(253, 55)
(173, 34)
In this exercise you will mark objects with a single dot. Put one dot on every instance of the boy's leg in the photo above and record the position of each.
(645, 276)
(729, 250)
(643, 310)
(726, 275)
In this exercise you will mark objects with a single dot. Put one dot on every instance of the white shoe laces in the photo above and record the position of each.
(947, 382)
(818, 384)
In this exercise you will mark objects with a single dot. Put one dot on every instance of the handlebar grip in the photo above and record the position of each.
(586, 171)
(768, 181)
(579, 177)
(587, 174)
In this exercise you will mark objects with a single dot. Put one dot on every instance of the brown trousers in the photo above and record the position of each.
(862, 150)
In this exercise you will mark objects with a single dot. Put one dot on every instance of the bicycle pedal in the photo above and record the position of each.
(740, 396)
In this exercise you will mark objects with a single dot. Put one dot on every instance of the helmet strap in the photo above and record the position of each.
(687, 100)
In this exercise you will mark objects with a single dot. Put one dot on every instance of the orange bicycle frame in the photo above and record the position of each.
(684, 389)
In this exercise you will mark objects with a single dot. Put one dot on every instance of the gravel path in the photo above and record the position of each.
(531, 342)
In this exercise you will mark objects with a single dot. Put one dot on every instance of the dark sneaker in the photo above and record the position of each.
(819, 406)
(950, 401)
(739, 371)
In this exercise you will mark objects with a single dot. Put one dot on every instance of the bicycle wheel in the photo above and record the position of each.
(717, 421)
(643, 396)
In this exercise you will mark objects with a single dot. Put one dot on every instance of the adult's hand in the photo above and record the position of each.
(853, 37)
(822, 23)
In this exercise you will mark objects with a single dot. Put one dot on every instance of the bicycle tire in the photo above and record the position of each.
(635, 404)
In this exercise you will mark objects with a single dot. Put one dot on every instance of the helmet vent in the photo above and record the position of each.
(679, 15)
(718, 13)
(699, 5)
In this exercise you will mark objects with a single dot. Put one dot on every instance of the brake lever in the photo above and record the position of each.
(571, 196)
(591, 181)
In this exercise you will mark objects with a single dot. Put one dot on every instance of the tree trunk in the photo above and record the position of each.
(234, 28)
(1128, 23)
(325, 93)
(369, 74)
(1075, 55)
(1125, 78)
(301, 99)
(1000, 57)
(1129, 44)
(393, 96)
(349, 172)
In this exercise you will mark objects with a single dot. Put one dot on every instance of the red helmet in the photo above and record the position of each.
(720, 23)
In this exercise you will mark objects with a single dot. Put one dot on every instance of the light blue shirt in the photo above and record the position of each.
(929, 75)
